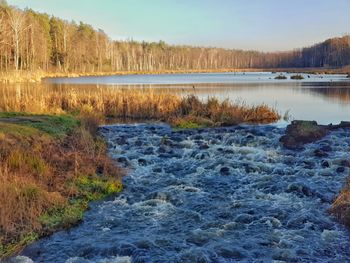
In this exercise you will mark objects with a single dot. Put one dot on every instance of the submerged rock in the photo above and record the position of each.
(325, 164)
(340, 169)
(225, 170)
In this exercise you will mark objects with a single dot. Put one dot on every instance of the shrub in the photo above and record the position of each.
(297, 77)
(280, 77)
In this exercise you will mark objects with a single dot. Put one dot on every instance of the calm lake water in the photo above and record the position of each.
(324, 98)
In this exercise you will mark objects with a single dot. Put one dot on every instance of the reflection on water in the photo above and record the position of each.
(235, 77)
(323, 103)
(335, 94)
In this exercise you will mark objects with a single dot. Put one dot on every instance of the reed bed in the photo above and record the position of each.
(25, 76)
(137, 104)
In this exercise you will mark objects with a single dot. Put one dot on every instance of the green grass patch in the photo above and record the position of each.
(89, 188)
(189, 125)
(63, 216)
(191, 122)
(95, 187)
(12, 248)
(7, 128)
(54, 125)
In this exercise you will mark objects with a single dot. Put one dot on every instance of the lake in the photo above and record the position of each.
(320, 97)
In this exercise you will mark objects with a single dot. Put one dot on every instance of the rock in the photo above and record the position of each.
(308, 164)
(148, 151)
(123, 160)
(225, 170)
(157, 169)
(203, 146)
(326, 148)
(202, 156)
(345, 163)
(142, 162)
(325, 164)
(299, 189)
(299, 133)
(244, 218)
(139, 143)
(121, 141)
(198, 137)
(340, 169)
(230, 252)
(320, 153)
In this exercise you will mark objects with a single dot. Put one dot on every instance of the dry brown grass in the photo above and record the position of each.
(144, 104)
(38, 75)
(38, 173)
(341, 206)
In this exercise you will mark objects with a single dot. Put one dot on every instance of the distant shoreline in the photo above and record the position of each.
(38, 76)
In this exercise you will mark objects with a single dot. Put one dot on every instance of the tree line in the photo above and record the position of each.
(34, 41)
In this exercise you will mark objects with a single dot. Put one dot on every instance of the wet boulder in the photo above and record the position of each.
(299, 133)
(142, 162)
(326, 148)
(340, 169)
(225, 170)
(123, 160)
(230, 252)
(345, 163)
(299, 189)
(319, 153)
(325, 164)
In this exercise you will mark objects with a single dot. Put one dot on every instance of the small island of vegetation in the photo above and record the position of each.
(280, 77)
(297, 77)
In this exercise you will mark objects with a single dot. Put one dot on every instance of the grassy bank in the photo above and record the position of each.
(51, 166)
(140, 104)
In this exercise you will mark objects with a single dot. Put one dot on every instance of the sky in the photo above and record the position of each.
(265, 25)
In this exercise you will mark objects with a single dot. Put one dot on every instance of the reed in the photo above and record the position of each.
(141, 104)
(26, 76)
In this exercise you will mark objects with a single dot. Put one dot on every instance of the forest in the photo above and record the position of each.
(33, 41)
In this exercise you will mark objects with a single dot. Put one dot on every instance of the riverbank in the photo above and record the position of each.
(52, 166)
(38, 76)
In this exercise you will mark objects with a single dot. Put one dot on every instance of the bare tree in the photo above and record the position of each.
(16, 20)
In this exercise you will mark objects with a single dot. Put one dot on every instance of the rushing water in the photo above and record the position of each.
(211, 195)
(324, 98)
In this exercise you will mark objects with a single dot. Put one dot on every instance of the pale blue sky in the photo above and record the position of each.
(245, 24)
